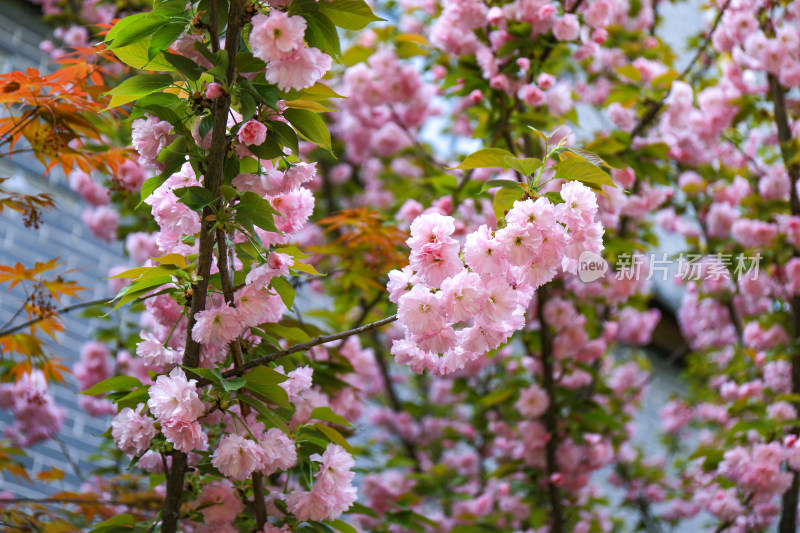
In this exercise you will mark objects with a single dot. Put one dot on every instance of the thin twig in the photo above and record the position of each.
(71, 501)
(63, 310)
(70, 460)
(297, 348)
(394, 400)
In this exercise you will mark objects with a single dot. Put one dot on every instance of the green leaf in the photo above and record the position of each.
(115, 524)
(274, 394)
(264, 375)
(139, 289)
(188, 68)
(310, 126)
(486, 158)
(163, 38)
(665, 80)
(526, 166)
(195, 198)
(253, 210)
(585, 172)
(359, 508)
(136, 87)
(321, 33)
(271, 416)
(135, 55)
(554, 197)
(176, 149)
(504, 200)
(230, 168)
(269, 149)
(246, 62)
(231, 384)
(334, 436)
(116, 383)
(285, 135)
(133, 398)
(496, 397)
(630, 72)
(289, 333)
(134, 28)
(349, 14)
(341, 525)
(317, 92)
(327, 414)
(284, 290)
(491, 184)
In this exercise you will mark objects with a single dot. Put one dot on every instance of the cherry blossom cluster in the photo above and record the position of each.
(37, 417)
(488, 290)
(278, 39)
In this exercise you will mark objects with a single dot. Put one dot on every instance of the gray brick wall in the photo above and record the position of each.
(62, 235)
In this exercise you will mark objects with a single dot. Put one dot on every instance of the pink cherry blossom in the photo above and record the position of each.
(252, 132)
(217, 326)
(132, 432)
(173, 397)
(300, 69)
(277, 35)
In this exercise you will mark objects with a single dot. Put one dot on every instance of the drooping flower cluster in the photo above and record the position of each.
(488, 290)
(333, 491)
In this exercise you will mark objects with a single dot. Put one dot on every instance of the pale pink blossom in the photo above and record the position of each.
(218, 502)
(301, 69)
(237, 457)
(217, 326)
(132, 432)
(173, 397)
(277, 35)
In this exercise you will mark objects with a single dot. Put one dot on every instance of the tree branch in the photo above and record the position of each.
(212, 181)
(394, 401)
(788, 521)
(226, 279)
(297, 348)
(80, 501)
(550, 416)
(655, 107)
(66, 309)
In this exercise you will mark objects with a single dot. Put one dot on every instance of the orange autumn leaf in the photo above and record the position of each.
(53, 474)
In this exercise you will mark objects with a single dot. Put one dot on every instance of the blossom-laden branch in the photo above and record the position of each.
(266, 359)
(213, 179)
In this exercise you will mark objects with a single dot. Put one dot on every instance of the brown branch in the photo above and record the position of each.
(394, 401)
(70, 501)
(212, 181)
(655, 107)
(788, 520)
(259, 503)
(550, 416)
(66, 309)
(297, 348)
